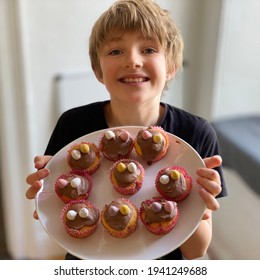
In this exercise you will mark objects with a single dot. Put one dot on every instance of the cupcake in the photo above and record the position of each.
(159, 215)
(173, 183)
(84, 156)
(127, 176)
(80, 218)
(120, 217)
(73, 186)
(151, 144)
(116, 144)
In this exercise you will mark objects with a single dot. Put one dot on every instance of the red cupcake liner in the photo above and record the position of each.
(188, 180)
(67, 199)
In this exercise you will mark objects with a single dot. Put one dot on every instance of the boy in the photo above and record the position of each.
(135, 49)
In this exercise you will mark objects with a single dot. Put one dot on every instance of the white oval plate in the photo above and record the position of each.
(141, 244)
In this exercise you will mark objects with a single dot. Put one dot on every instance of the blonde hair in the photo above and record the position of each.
(137, 15)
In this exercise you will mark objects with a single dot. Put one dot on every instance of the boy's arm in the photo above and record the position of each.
(209, 181)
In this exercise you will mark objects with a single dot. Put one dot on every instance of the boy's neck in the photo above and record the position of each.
(129, 115)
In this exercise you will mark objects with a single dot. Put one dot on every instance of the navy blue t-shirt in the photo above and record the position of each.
(83, 120)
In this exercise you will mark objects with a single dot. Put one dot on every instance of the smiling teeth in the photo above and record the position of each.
(133, 80)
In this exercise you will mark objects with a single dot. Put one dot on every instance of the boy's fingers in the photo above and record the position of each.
(37, 176)
(41, 161)
(35, 215)
(212, 162)
(31, 192)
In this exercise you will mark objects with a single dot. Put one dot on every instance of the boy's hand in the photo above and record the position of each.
(34, 179)
(210, 183)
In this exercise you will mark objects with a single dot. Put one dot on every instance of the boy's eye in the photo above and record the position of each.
(149, 50)
(115, 52)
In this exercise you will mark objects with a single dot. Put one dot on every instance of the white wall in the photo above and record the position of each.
(237, 83)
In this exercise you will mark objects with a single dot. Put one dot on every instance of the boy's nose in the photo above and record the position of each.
(133, 60)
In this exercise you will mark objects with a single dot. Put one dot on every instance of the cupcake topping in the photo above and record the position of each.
(117, 214)
(62, 183)
(75, 183)
(159, 210)
(84, 212)
(80, 215)
(121, 167)
(157, 138)
(71, 215)
(116, 143)
(73, 186)
(150, 143)
(164, 179)
(146, 135)
(76, 154)
(82, 156)
(156, 207)
(132, 167)
(175, 174)
(124, 209)
(126, 173)
(172, 182)
(110, 134)
(84, 148)
(113, 210)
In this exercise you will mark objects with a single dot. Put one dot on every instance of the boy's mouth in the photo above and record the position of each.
(134, 80)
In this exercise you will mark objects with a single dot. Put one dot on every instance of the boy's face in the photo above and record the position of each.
(133, 68)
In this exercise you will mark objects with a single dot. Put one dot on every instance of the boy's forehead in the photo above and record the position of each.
(117, 36)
